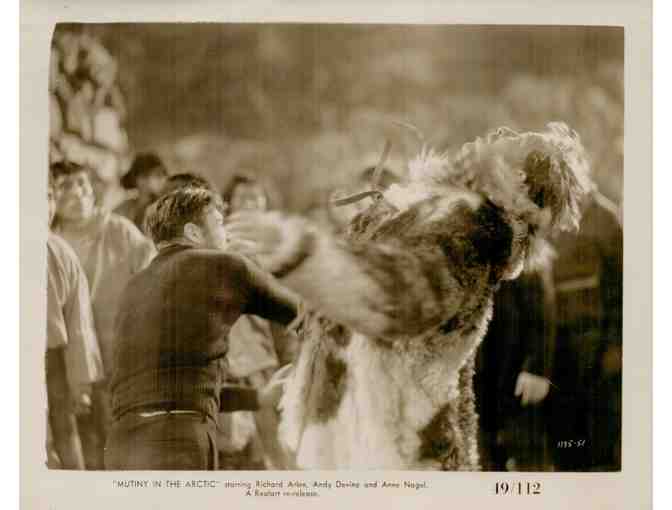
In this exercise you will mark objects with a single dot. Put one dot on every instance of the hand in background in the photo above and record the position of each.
(81, 400)
(531, 388)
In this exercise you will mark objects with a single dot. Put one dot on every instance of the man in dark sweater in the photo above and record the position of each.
(172, 328)
(588, 274)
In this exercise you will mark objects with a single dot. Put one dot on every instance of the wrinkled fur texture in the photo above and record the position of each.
(384, 376)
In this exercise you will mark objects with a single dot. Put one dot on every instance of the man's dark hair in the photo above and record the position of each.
(66, 168)
(144, 165)
(187, 179)
(165, 219)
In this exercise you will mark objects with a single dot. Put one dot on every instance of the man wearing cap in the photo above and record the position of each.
(72, 361)
(148, 177)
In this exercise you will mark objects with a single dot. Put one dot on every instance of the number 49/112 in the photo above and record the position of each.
(518, 488)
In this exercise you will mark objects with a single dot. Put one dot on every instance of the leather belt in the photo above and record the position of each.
(154, 411)
(151, 414)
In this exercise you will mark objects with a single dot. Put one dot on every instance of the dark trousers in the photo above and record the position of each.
(62, 421)
(165, 442)
(519, 434)
(579, 400)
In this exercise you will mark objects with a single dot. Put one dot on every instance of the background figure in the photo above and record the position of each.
(244, 193)
(514, 364)
(72, 360)
(589, 282)
(111, 250)
(185, 179)
(147, 177)
(257, 348)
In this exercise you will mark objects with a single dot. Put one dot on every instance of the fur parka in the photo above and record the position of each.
(384, 376)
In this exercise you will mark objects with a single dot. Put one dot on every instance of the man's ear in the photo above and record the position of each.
(192, 232)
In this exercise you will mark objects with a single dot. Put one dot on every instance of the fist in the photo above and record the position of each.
(271, 238)
(81, 400)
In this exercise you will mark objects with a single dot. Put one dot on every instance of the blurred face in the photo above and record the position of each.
(153, 184)
(248, 197)
(211, 233)
(74, 196)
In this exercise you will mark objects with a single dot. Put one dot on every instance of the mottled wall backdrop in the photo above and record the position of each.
(305, 105)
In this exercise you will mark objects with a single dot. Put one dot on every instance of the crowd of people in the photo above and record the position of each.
(165, 326)
(547, 374)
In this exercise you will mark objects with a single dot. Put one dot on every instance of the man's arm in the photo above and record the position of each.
(611, 289)
(537, 296)
(82, 355)
(237, 398)
(140, 249)
(267, 298)
(380, 288)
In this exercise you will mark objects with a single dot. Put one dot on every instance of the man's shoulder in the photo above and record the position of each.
(62, 254)
(210, 264)
(122, 228)
(127, 208)
(118, 221)
(61, 249)
(600, 222)
(215, 256)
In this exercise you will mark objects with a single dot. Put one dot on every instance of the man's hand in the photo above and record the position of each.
(271, 238)
(270, 395)
(81, 399)
(531, 388)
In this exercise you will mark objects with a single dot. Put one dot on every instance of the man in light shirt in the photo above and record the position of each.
(111, 250)
(72, 358)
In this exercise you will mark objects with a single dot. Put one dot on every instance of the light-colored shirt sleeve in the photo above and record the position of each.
(141, 249)
(72, 304)
(122, 252)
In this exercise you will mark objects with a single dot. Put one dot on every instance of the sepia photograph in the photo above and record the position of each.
(311, 246)
(335, 256)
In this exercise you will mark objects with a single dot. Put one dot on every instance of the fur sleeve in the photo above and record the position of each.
(382, 289)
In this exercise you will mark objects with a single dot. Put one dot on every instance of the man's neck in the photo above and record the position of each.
(178, 241)
(76, 224)
(147, 197)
